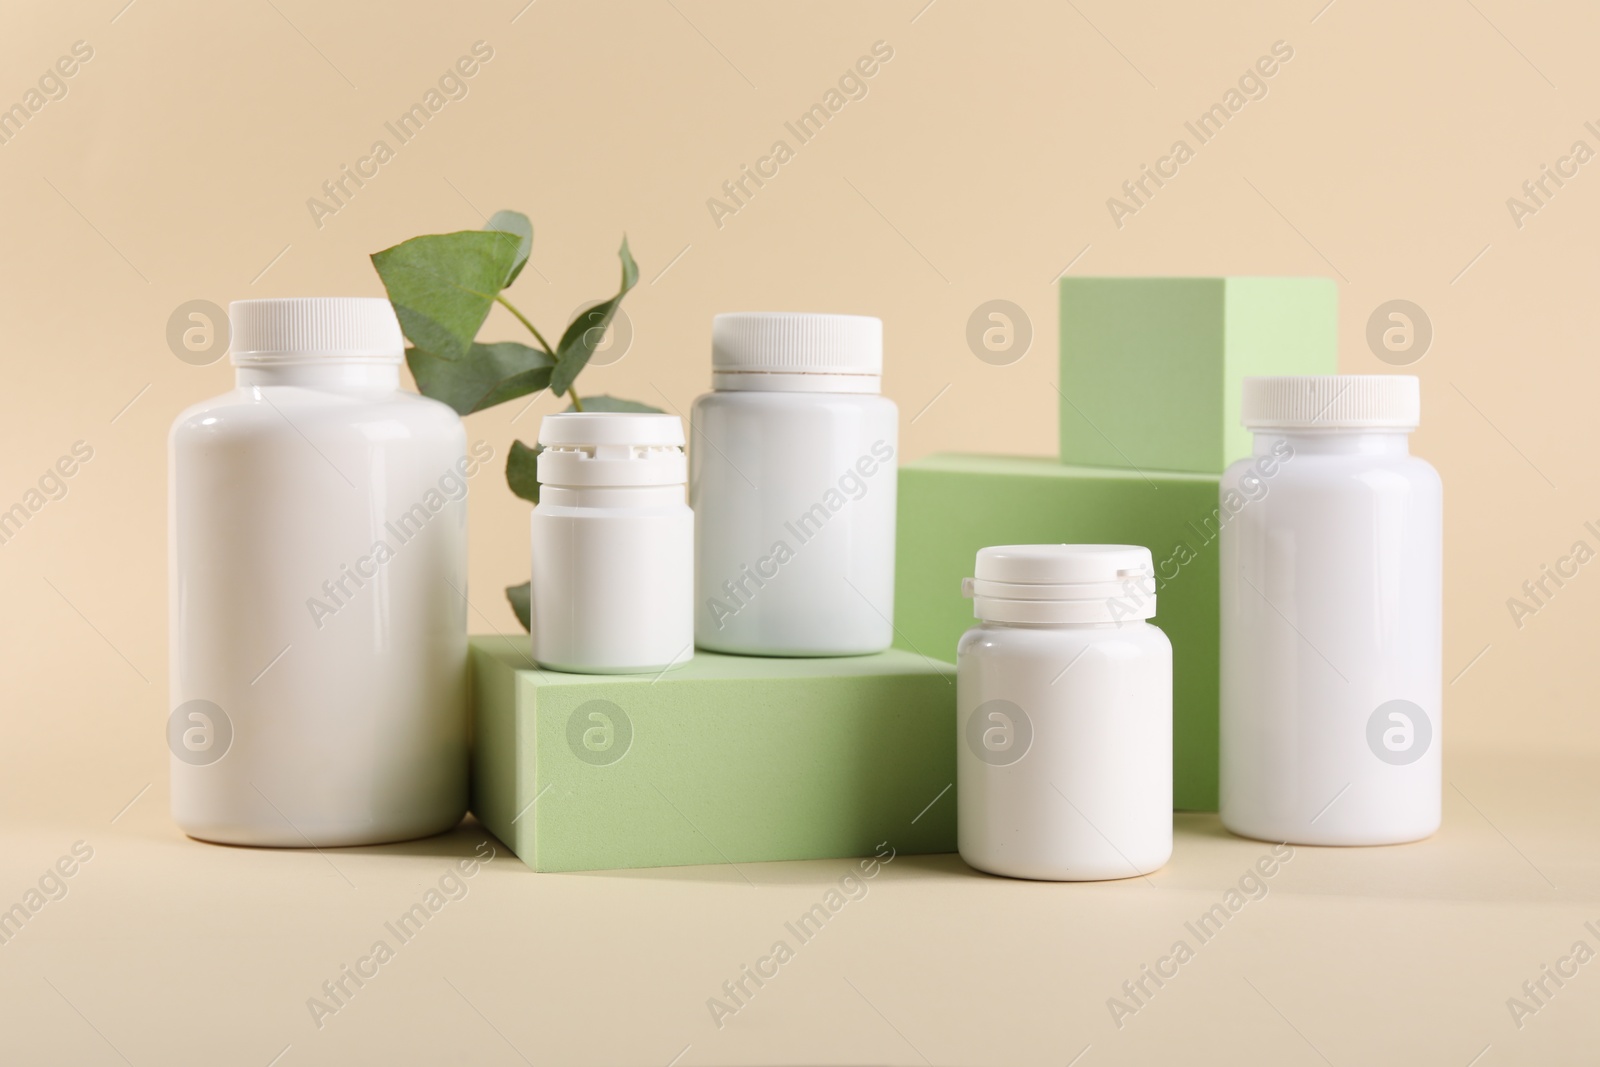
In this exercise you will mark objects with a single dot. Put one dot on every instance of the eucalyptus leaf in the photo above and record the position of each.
(518, 595)
(612, 403)
(578, 343)
(486, 376)
(442, 286)
(516, 224)
(522, 472)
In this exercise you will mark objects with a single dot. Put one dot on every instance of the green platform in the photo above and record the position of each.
(1151, 367)
(951, 506)
(729, 759)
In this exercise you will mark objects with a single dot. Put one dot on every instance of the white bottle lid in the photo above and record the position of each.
(1332, 402)
(784, 351)
(612, 449)
(1062, 583)
(301, 329)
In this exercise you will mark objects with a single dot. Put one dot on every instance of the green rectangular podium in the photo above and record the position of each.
(952, 505)
(1151, 367)
(728, 759)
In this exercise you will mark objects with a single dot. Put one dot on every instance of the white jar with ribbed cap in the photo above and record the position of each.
(317, 532)
(792, 480)
(1331, 566)
(1064, 715)
(612, 590)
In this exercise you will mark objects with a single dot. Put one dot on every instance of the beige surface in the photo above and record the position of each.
(177, 167)
(171, 952)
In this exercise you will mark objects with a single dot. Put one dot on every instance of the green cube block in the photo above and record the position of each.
(951, 506)
(1150, 367)
(728, 759)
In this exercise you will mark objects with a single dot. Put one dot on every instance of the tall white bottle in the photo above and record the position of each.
(317, 560)
(792, 477)
(1331, 561)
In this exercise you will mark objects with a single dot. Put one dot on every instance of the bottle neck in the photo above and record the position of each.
(332, 376)
(725, 381)
(626, 496)
(1334, 442)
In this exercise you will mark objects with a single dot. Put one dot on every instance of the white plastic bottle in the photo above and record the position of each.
(792, 480)
(613, 545)
(317, 561)
(1331, 571)
(1064, 715)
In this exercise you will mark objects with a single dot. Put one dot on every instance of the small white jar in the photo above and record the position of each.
(612, 590)
(793, 480)
(1064, 715)
(317, 533)
(1331, 570)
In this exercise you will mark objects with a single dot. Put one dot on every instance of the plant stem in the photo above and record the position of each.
(572, 394)
(537, 336)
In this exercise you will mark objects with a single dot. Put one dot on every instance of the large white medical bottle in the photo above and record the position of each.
(317, 531)
(1331, 563)
(792, 480)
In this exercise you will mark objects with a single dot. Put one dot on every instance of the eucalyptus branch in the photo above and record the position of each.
(572, 391)
(537, 336)
(443, 286)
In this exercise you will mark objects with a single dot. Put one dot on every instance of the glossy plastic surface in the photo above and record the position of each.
(794, 501)
(317, 560)
(1064, 750)
(1331, 727)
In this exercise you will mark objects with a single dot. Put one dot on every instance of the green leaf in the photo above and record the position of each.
(486, 376)
(522, 472)
(518, 595)
(516, 224)
(442, 286)
(612, 403)
(578, 343)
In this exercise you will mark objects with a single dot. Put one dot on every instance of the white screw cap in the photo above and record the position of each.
(1332, 402)
(357, 329)
(788, 343)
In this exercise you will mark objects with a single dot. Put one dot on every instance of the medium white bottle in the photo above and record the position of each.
(1331, 569)
(1064, 715)
(612, 590)
(317, 560)
(792, 480)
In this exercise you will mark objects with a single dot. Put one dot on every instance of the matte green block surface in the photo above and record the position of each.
(951, 506)
(729, 759)
(1151, 367)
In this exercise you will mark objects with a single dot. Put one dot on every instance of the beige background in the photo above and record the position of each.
(178, 166)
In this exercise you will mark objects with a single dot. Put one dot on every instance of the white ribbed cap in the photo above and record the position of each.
(305, 328)
(772, 349)
(1332, 402)
(1062, 583)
